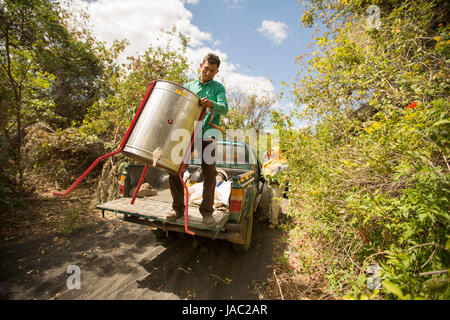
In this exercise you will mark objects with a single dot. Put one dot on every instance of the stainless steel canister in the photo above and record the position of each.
(165, 127)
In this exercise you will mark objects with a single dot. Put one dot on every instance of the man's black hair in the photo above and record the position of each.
(212, 59)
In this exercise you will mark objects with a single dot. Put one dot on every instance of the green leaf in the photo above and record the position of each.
(443, 121)
(422, 216)
(393, 288)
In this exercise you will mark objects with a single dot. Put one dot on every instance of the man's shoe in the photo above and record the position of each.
(209, 222)
(173, 215)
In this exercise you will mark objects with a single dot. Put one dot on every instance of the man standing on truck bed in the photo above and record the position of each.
(212, 95)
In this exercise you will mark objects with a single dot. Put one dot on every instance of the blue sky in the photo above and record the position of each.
(257, 40)
(236, 24)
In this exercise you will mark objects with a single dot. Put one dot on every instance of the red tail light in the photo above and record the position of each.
(235, 205)
(122, 179)
(236, 200)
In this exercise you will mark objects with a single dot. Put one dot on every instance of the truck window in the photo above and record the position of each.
(229, 153)
(225, 154)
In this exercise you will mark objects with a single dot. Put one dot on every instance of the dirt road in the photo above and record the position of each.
(122, 260)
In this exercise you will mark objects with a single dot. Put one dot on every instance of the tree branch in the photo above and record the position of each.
(424, 274)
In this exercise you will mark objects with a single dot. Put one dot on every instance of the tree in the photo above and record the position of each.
(22, 33)
(248, 110)
(45, 74)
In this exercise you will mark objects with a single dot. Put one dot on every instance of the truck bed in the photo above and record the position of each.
(157, 208)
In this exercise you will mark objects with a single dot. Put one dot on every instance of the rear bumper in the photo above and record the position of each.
(232, 231)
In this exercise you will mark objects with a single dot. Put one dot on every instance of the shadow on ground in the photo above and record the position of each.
(122, 260)
(202, 268)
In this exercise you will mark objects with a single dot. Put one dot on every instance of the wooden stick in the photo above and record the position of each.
(218, 278)
(281, 292)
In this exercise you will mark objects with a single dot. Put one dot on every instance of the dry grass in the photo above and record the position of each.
(43, 214)
(297, 274)
(287, 284)
(303, 269)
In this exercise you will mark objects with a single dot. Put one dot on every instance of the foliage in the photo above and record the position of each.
(71, 217)
(40, 63)
(62, 155)
(247, 110)
(66, 98)
(283, 124)
(371, 185)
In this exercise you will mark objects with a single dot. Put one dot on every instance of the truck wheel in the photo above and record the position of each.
(248, 228)
(263, 210)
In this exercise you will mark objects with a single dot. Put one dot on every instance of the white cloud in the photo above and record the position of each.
(140, 22)
(230, 76)
(274, 30)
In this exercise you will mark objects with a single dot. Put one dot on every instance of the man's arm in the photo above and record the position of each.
(221, 105)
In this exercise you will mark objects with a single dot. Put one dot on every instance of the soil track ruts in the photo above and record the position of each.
(122, 260)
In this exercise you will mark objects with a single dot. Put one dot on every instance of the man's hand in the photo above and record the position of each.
(206, 103)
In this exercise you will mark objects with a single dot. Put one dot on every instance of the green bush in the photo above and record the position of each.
(371, 185)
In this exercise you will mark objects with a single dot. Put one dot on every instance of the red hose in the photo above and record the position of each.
(144, 173)
(213, 125)
(136, 116)
(180, 171)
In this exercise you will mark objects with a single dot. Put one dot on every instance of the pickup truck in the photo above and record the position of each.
(233, 224)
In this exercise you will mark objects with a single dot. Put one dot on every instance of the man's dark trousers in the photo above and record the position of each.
(209, 185)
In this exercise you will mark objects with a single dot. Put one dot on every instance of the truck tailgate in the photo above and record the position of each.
(154, 209)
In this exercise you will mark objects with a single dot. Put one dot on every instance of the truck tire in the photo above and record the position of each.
(265, 204)
(248, 228)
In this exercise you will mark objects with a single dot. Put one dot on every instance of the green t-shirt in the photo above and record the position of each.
(215, 92)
